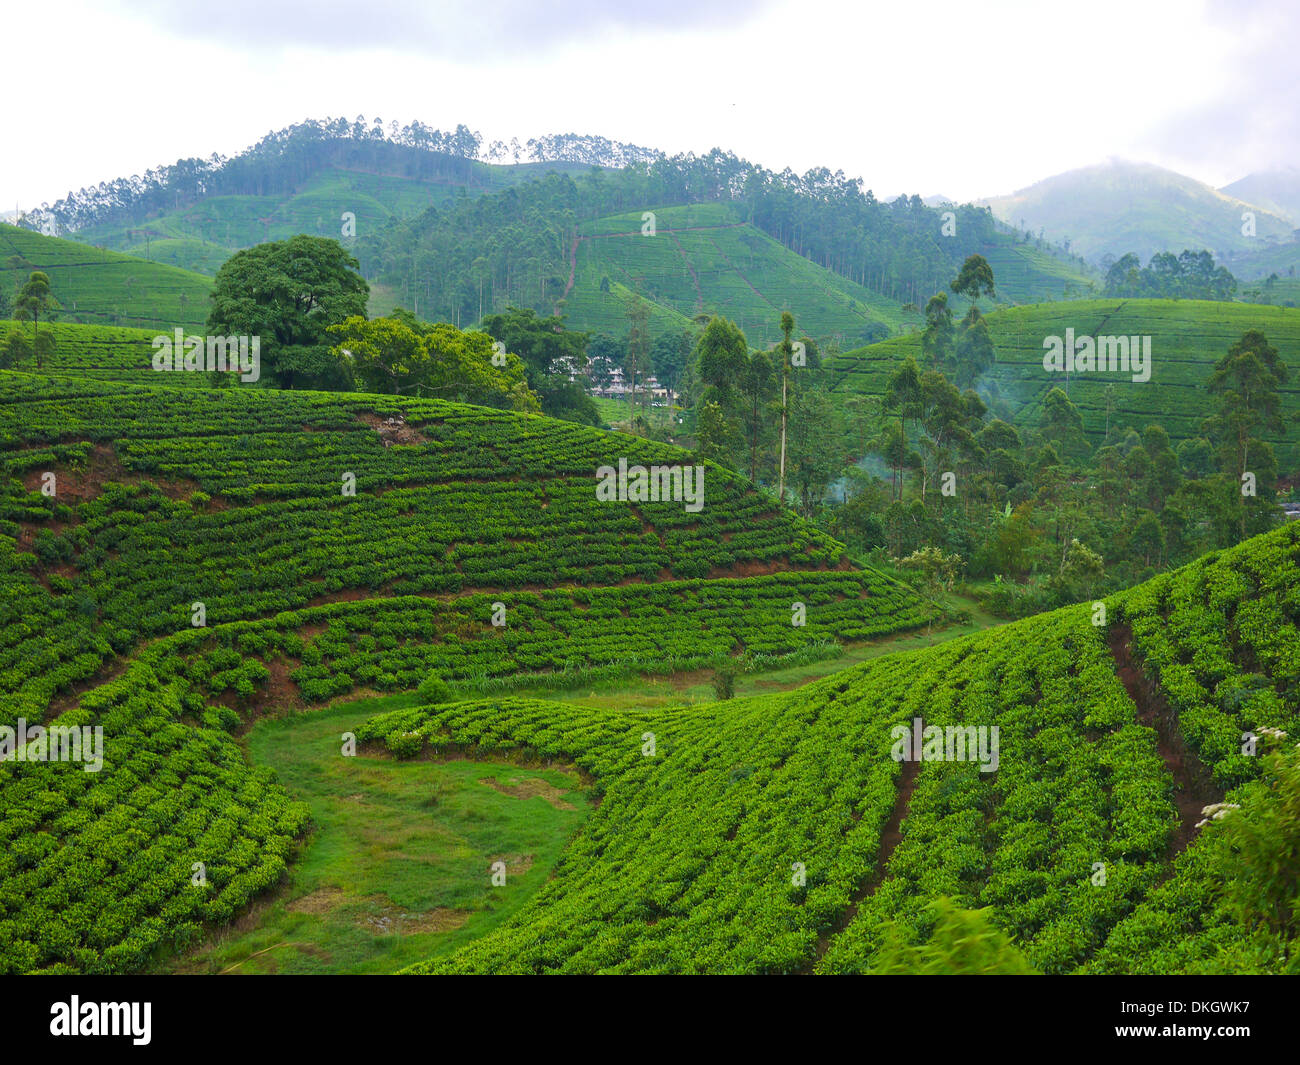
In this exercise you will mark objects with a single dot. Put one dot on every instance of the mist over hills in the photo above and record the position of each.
(1118, 207)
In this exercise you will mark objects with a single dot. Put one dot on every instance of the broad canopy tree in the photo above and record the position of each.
(289, 293)
(401, 355)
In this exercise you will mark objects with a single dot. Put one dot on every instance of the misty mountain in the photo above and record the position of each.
(1276, 190)
(1119, 207)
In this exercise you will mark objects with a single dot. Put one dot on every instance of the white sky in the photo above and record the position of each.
(965, 99)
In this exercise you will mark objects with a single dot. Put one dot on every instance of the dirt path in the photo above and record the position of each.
(1193, 786)
(889, 839)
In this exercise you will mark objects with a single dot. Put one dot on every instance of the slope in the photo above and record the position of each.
(104, 287)
(749, 831)
(1121, 207)
(103, 352)
(174, 562)
(202, 235)
(1187, 338)
(704, 259)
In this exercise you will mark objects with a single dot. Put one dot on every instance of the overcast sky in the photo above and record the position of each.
(964, 99)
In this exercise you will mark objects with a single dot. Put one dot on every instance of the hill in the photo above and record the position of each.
(1274, 190)
(453, 236)
(1120, 207)
(847, 264)
(175, 561)
(1187, 338)
(105, 353)
(202, 563)
(705, 259)
(783, 834)
(201, 236)
(103, 287)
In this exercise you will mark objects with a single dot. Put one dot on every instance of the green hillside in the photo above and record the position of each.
(105, 353)
(1188, 338)
(705, 260)
(1026, 273)
(308, 593)
(104, 287)
(1122, 207)
(774, 833)
(778, 835)
(454, 238)
(1253, 267)
(201, 236)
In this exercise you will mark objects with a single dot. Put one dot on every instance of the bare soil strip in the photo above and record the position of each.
(1193, 786)
(889, 839)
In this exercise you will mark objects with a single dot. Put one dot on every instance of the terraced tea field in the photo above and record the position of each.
(1187, 338)
(197, 573)
(101, 287)
(197, 558)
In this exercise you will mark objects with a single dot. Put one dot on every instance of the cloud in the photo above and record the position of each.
(1247, 116)
(455, 29)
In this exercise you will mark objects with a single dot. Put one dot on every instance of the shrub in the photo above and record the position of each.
(433, 689)
(405, 744)
(724, 682)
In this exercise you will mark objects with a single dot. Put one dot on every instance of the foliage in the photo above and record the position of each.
(963, 943)
(289, 293)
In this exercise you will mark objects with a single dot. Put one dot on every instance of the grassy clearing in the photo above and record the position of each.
(398, 866)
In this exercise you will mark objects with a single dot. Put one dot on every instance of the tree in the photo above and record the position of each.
(1063, 424)
(903, 396)
(716, 436)
(721, 362)
(787, 352)
(816, 446)
(721, 358)
(936, 338)
(14, 349)
(638, 345)
(289, 293)
(669, 355)
(404, 356)
(554, 360)
(975, 353)
(1080, 575)
(605, 354)
(1246, 380)
(1147, 540)
(1010, 546)
(757, 389)
(975, 279)
(937, 571)
(35, 299)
